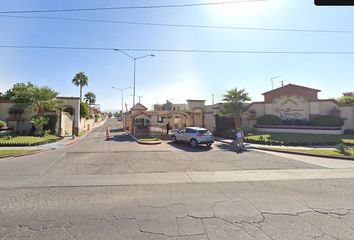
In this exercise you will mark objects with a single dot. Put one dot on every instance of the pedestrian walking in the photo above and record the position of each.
(239, 140)
(239, 135)
(167, 127)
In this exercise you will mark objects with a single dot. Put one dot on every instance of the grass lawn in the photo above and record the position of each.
(350, 152)
(26, 140)
(8, 153)
(303, 138)
(82, 133)
(148, 139)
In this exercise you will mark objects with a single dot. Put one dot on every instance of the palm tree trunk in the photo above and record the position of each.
(80, 93)
(237, 121)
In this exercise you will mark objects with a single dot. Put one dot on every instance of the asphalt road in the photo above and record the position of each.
(118, 189)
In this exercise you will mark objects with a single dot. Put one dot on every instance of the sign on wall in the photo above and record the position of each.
(291, 107)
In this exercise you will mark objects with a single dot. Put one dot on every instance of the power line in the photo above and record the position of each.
(130, 7)
(179, 50)
(182, 25)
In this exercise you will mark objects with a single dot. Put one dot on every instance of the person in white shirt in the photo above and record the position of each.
(239, 138)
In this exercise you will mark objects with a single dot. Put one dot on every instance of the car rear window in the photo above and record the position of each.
(203, 131)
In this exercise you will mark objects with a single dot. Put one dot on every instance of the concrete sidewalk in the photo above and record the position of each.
(66, 141)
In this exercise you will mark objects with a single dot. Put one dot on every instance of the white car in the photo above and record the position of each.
(194, 136)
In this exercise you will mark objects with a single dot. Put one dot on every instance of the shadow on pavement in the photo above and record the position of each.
(122, 138)
(186, 147)
(229, 147)
(117, 130)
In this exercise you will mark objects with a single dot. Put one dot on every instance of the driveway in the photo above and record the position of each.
(95, 156)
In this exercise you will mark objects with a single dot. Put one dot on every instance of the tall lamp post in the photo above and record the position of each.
(134, 58)
(122, 92)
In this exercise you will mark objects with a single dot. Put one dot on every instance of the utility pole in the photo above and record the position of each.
(212, 98)
(140, 97)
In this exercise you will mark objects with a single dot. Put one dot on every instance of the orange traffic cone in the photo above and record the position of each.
(107, 134)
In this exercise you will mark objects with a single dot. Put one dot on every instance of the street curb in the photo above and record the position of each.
(221, 140)
(296, 153)
(142, 142)
(26, 154)
(150, 142)
(71, 143)
(303, 154)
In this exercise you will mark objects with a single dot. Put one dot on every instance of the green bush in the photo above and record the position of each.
(38, 122)
(16, 109)
(269, 119)
(84, 110)
(51, 125)
(223, 123)
(328, 120)
(342, 148)
(3, 124)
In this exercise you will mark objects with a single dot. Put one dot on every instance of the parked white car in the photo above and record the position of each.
(194, 136)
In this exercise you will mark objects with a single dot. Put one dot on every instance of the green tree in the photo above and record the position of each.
(21, 93)
(80, 80)
(84, 110)
(234, 104)
(44, 98)
(90, 98)
(346, 99)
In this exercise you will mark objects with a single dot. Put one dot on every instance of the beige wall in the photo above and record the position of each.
(268, 108)
(192, 104)
(86, 124)
(67, 124)
(315, 108)
(209, 121)
(259, 108)
(348, 114)
(326, 106)
(3, 110)
(24, 126)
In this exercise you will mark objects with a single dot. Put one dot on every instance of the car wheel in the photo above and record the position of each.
(174, 139)
(194, 143)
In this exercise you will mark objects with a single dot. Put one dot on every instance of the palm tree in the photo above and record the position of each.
(90, 98)
(44, 98)
(81, 80)
(235, 104)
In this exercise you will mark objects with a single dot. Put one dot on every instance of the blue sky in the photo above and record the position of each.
(178, 76)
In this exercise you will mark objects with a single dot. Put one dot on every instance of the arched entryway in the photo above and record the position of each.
(67, 121)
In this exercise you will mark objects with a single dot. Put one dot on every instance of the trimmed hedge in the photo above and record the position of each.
(224, 124)
(290, 143)
(269, 119)
(23, 142)
(2, 124)
(328, 120)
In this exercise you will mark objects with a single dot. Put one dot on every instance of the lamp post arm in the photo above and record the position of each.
(126, 54)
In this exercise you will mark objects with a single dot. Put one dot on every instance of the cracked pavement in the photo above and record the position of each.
(321, 209)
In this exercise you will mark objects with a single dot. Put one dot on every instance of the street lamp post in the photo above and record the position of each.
(122, 92)
(134, 59)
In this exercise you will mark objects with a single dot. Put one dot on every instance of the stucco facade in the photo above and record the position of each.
(66, 125)
(299, 102)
